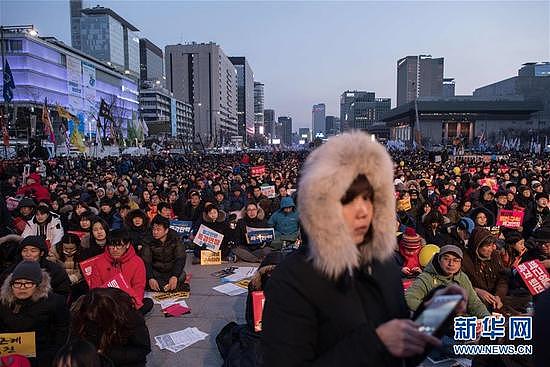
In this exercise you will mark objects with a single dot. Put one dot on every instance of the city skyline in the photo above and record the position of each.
(481, 42)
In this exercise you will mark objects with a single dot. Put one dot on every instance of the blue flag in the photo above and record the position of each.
(8, 83)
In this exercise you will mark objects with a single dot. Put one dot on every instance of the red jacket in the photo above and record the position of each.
(130, 265)
(36, 190)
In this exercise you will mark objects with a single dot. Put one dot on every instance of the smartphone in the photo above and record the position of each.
(438, 313)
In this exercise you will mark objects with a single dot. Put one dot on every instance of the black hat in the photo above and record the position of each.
(542, 234)
(36, 241)
(27, 202)
(105, 201)
(29, 270)
(541, 195)
(513, 237)
(501, 193)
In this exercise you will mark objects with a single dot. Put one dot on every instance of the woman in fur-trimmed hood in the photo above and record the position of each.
(28, 304)
(339, 299)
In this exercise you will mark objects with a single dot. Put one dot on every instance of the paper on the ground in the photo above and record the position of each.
(241, 273)
(170, 302)
(230, 289)
(179, 340)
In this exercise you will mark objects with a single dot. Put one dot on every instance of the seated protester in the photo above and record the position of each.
(75, 216)
(34, 189)
(137, 224)
(26, 304)
(120, 258)
(252, 217)
(221, 202)
(536, 215)
(79, 353)
(484, 267)
(406, 255)
(285, 223)
(152, 207)
(214, 220)
(33, 248)
(165, 210)
(516, 250)
(68, 253)
(482, 217)
(432, 225)
(85, 223)
(23, 214)
(120, 216)
(62, 210)
(192, 210)
(443, 270)
(459, 235)
(164, 258)
(236, 198)
(95, 243)
(106, 317)
(45, 224)
(540, 244)
(106, 209)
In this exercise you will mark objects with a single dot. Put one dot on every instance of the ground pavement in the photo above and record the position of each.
(210, 312)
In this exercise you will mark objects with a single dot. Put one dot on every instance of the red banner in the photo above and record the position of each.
(534, 275)
(510, 218)
(258, 300)
(257, 170)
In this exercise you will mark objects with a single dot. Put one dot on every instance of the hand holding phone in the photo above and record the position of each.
(437, 313)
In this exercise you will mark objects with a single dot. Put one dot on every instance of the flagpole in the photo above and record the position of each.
(5, 112)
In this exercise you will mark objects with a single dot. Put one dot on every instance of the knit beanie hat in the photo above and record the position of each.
(29, 270)
(36, 241)
(410, 239)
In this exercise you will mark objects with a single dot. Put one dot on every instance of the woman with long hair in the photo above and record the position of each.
(99, 236)
(106, 317)
(68, 253)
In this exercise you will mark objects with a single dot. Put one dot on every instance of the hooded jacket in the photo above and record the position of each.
(488, 274)
(432, 277)
(45, 313)
(285, 223)
(35, 190)
(129, 265)
(325, 301)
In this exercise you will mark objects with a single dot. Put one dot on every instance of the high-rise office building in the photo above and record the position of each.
(332, 124)
(269, 123)
(151, 62)
(108, 37)
(259, 127)
(318, 119)
(304, 134)
(419, 76)
(360, 109)
(285, 127)
(76, 7)
(203, 76)
(245, 96)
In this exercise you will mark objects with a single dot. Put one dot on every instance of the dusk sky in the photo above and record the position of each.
(310, 52)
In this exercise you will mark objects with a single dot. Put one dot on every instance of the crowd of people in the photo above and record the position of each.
(58, 215)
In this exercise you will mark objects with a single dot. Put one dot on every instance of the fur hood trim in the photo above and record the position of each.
(6, 292)
(326, 176)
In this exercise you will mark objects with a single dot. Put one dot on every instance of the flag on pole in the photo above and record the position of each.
(63, 113)
(105, 111)
(5, 134)
(48, 128)
(9, 84)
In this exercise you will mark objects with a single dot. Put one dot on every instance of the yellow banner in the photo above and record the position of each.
(170, 295)
(211, 257)
(18, 343)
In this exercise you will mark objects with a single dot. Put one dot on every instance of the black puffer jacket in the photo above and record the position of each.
(166, 258)
(44, 313)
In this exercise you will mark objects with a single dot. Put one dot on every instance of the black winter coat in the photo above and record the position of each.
(48, 316)
(168, 258)
(310, 320)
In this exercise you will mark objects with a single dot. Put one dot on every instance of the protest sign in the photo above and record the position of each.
(18, 343)
(87, 267)
(257, 236)
(268, 191)
(495, 230)
(208, 238)
(211, 257)
(182, 227)
(510, 218)
(258, 300)
(119, 282)
(534, 275)
(404, 204)
(257, 170)
(165, 296)
(490, 182)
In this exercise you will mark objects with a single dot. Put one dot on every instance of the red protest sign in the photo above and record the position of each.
(534, 275)
(119, 282)
(257, 170)
(491, 182)
(87, 267)
(258, 300)
(510, 218)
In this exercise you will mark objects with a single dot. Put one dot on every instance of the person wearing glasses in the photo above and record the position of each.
(121, 258)
(28, 305)
(443, 270)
